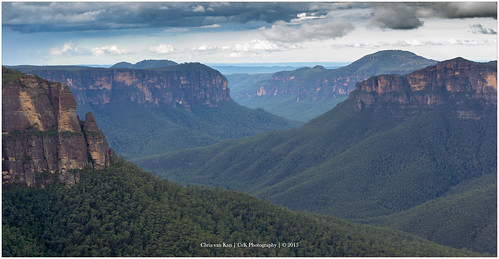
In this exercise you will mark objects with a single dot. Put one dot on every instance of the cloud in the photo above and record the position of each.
(162, 48)
(479, 29)
(69, 48)
(398, 16)
(256, 47)
(406, 16)
(414, 43)
(459, 10)
(109, 50)
(289, 32)
(198, 8)
(30, 17)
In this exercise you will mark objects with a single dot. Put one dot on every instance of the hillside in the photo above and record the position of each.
(123, 211)
(395, 143)
(136, 131)
(72, 197)
(151, 111)
(306, 93)
(471, 205)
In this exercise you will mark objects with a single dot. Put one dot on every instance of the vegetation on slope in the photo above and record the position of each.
(136, 131)
(123, 211)
(348, 164)
(470, 207)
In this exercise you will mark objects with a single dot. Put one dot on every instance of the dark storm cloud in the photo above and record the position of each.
(406, 16)
(460, 9)
(397, 16)
(37, 17)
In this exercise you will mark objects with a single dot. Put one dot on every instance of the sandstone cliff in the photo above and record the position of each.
(445, 83)
(43, 138)
(184, 85)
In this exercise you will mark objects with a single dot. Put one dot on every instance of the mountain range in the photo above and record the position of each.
(159, 109)
(414, 152)
(306, 93)
(396, 147)
(115, 209)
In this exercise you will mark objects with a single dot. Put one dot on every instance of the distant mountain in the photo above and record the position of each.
(43, 139)
(145, 112)
(123, 211)
(305, 93)
(229, 69)
(184, 85)
(146, 64)
(395, 143)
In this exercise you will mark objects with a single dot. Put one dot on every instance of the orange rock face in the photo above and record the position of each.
(41, 132)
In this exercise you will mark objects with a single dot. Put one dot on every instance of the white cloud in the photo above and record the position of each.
(256, 47)
(109, 50)
(414, 43)
(198, 9)
(162, 48)
(211, 26)
(69, 48)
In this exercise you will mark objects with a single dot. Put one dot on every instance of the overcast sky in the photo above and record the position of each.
(255, 32)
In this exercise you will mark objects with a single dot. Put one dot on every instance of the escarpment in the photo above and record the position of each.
(43, 138)
(185, 85)
(471, 86)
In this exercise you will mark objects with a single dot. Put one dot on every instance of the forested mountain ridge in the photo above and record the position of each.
(146, 64)
(43, 139)
(395, 143)
(309, 92)
(123, 211)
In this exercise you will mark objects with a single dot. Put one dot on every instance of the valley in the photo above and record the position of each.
(112, 208)
(398, 152)
(249, 129)
(395, 143)
(152, 110)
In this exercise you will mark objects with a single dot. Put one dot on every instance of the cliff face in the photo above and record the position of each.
(42, 134)
(445, 83)
(184, 85)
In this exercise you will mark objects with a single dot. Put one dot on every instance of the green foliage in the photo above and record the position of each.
(9, 75)
(123, 211)
(136, 131)
(291, 107)
(470, 208)
(349, 164)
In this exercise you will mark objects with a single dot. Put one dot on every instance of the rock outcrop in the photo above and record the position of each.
(184, 85)
(445, 83)
(43, 138)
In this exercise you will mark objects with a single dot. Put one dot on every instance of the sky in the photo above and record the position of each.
(95, 33)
